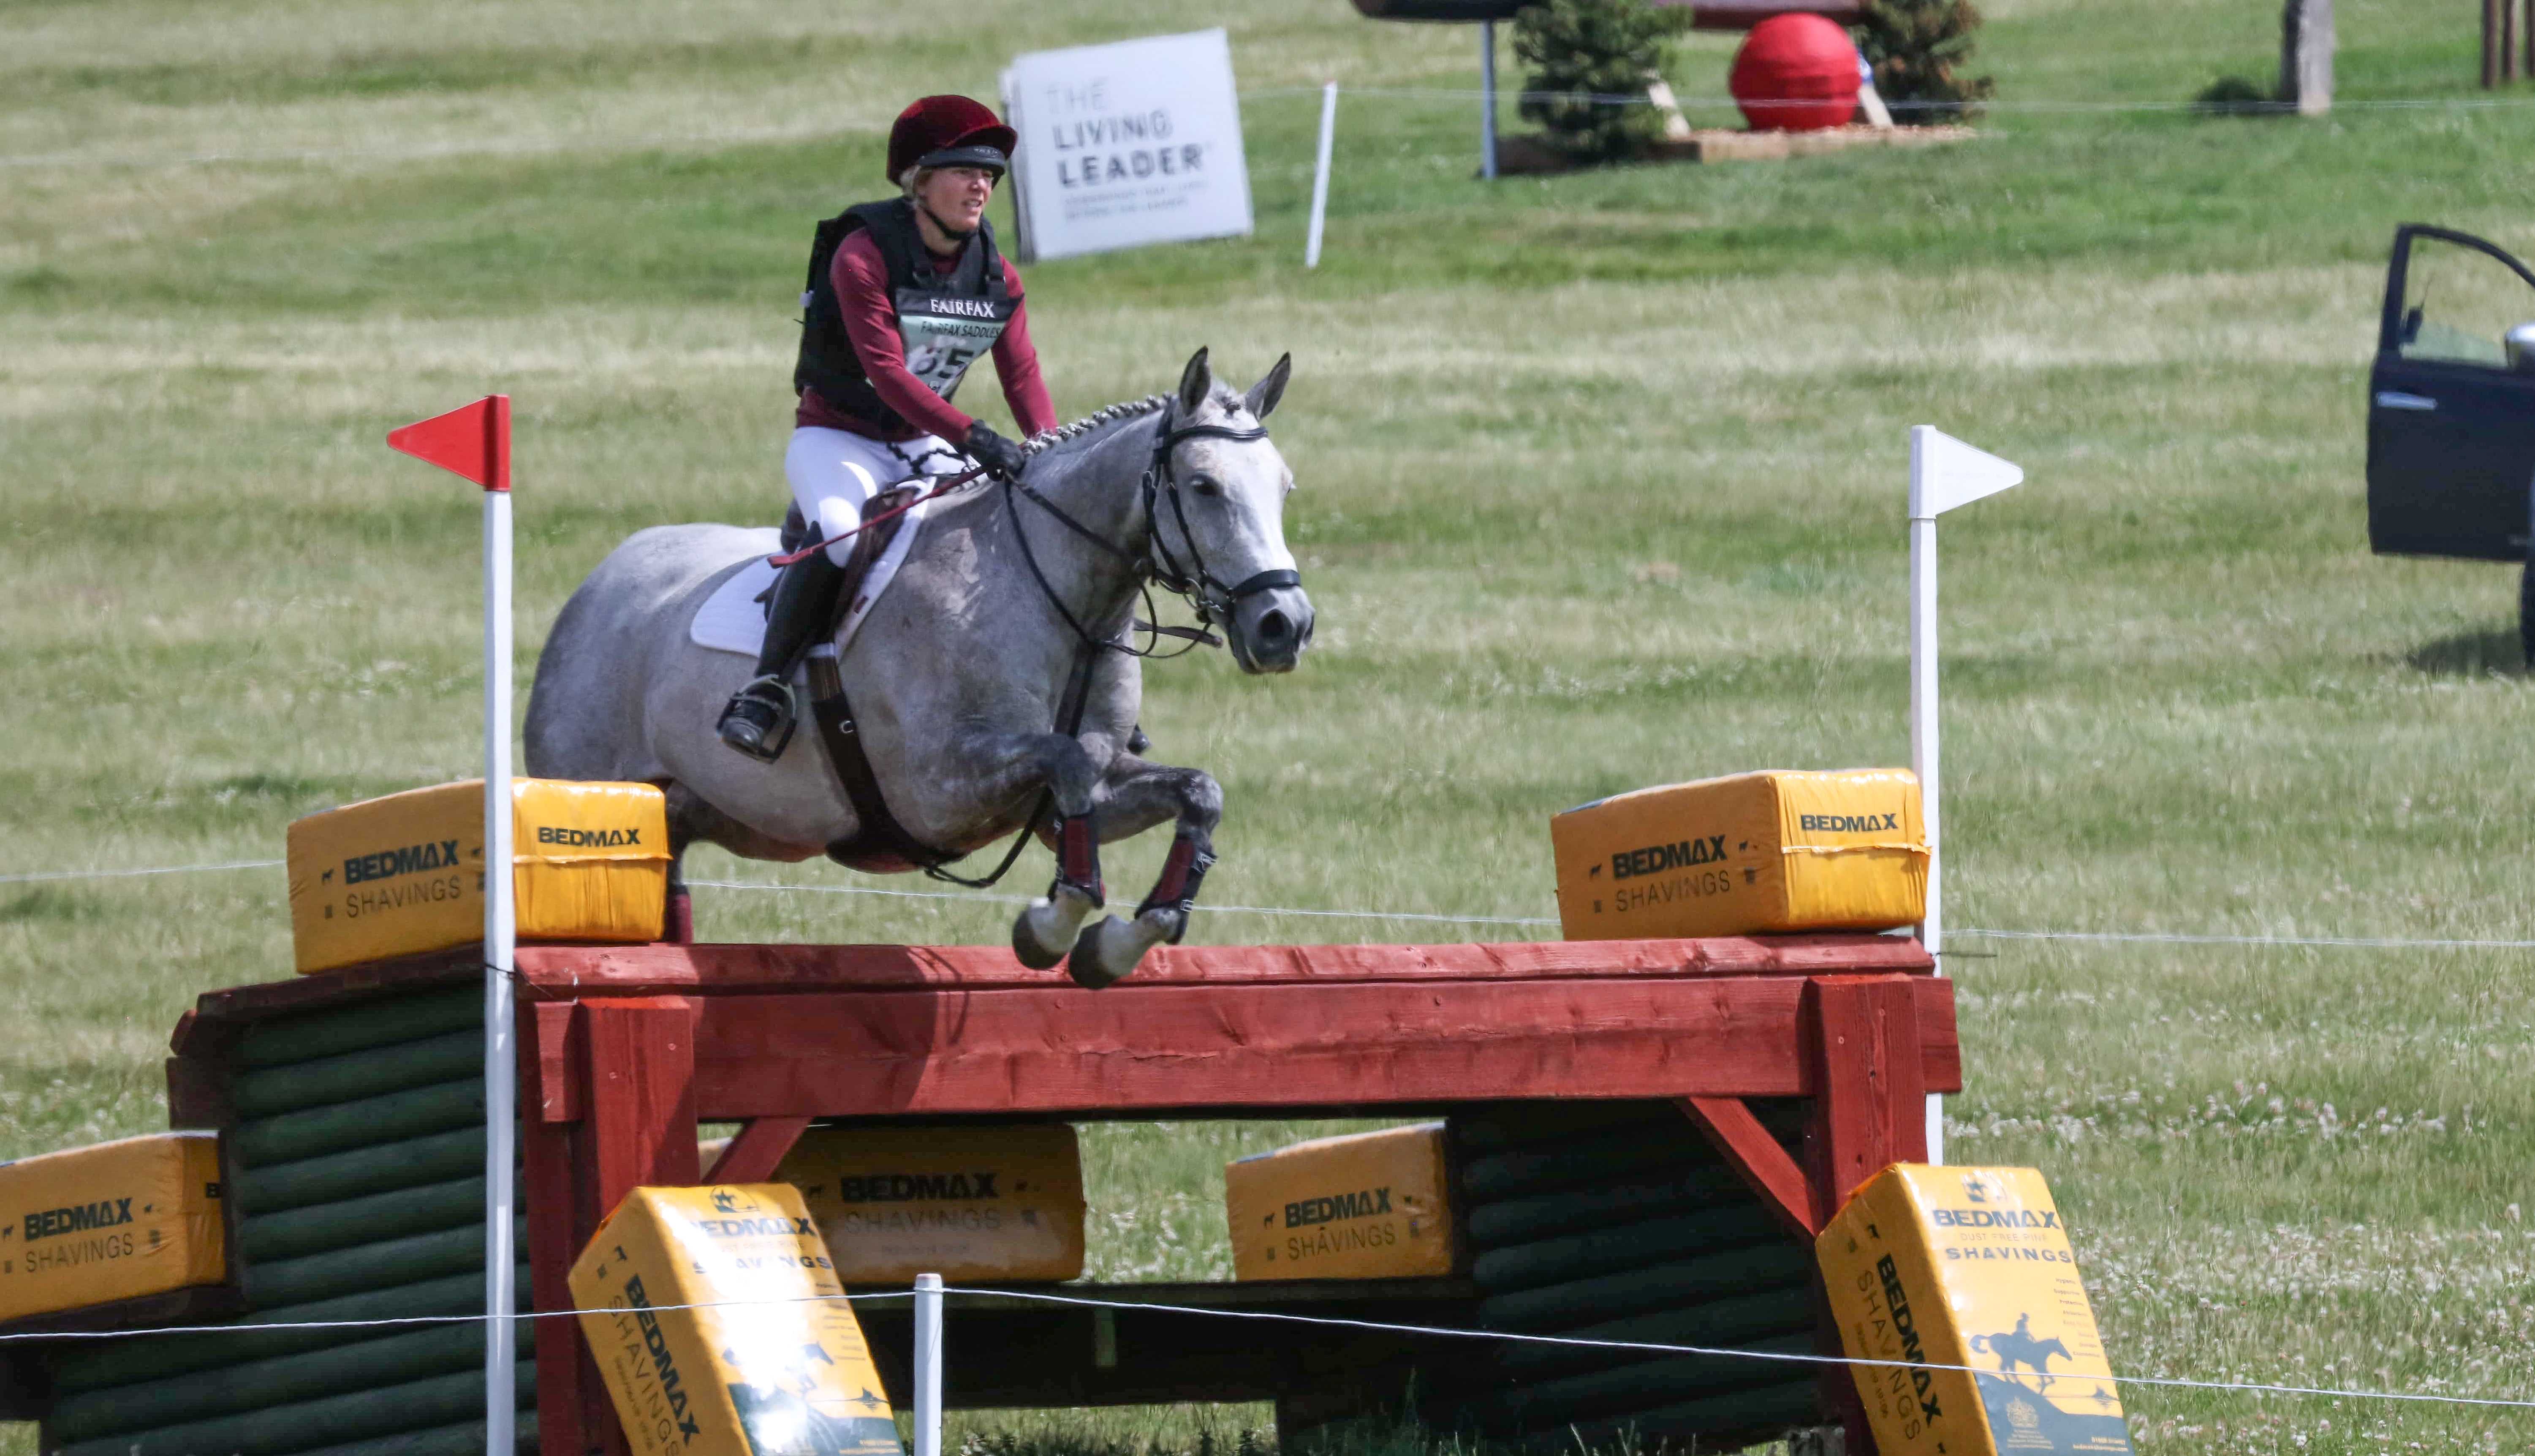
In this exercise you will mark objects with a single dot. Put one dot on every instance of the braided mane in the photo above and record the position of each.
(1123, 410)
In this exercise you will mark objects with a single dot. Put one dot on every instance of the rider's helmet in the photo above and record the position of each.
(948, 132)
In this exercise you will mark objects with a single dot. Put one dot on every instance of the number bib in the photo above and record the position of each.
(945, 332)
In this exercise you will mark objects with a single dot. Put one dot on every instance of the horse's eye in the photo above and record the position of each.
(1206, 485)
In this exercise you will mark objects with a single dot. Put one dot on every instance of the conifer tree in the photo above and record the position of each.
(1917, 47)
(1591, 61)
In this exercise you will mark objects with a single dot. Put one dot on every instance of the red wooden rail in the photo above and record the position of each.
(623, 1049)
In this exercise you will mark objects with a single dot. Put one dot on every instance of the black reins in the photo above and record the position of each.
(1159, 566)
(1195, 583)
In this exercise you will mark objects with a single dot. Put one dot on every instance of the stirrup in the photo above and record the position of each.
(761, 710)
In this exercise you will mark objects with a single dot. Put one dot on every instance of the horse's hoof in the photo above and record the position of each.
(1045, 929)
(1029, 949)
(1105, 953)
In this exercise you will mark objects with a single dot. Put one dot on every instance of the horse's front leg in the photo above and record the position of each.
(1019, 763)
(1136, 796)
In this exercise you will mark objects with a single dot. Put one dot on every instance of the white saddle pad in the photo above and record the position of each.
(733, 619)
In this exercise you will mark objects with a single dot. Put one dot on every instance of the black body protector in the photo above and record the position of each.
(944, 324)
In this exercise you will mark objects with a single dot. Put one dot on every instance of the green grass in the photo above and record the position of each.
(1601, 487)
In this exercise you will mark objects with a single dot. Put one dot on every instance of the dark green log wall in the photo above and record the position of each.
(355, 1185)
(1616, 1221)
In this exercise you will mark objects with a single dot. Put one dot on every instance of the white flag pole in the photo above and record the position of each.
(501, 1063)
(501, 1085)
(1321, 174)
(1923, 733)
(474, 440)
(1945, 474)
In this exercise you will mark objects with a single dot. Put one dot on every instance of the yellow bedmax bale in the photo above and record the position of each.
(966, 1203)
(1968, 1266)
(1369, 1206)
(759, 1361)
(1779, 850)
(404, 875)
(90, 1226)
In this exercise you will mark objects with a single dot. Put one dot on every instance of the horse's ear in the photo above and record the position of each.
(1262, 395)
(1195, 381)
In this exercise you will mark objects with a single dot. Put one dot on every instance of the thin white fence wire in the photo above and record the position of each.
(738, 137)
(33, 877)
(1644, 1347)
(935, 894)
(2130, 938)
(2164, 938)
(1651, 1347)
(1463, 94)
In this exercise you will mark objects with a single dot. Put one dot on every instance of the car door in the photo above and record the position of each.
(2450, 422)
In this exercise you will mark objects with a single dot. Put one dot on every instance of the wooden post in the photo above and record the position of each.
(635, 1070)
(2490, 44)
(2306, 55)
(2507, 41)
(1870, 1089)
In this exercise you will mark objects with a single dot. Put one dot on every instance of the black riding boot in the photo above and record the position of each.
(758, 719)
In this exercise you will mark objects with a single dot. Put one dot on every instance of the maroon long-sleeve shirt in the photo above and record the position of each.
(861, 281)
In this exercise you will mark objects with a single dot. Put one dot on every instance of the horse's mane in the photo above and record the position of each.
(1126, 409)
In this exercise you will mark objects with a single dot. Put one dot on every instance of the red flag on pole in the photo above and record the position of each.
(473, 439)
(475, 442)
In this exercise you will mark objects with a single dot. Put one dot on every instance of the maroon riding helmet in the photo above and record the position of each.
(948, 132)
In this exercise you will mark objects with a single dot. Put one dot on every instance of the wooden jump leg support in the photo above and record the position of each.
(1862, 1056)
(628, 1108)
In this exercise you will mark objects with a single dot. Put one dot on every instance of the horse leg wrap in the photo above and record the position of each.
(1077, 859)
(1182, 876)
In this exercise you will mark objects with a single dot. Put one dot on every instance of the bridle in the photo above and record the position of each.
(1192, 582)
(1195, 583)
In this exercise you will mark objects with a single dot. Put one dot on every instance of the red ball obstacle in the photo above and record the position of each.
(1796, 73)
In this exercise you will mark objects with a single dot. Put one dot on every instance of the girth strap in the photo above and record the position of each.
(879, 844)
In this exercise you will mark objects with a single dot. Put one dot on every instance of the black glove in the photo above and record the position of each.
(1001, 457)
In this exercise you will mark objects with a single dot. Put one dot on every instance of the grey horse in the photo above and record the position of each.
(959, 675)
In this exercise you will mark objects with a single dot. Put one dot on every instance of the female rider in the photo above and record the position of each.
(903, 295)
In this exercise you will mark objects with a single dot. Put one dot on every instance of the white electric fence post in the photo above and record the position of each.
(1488, 99)
(1945, 474)
(928, 1364)
(501, 1070)
(1321, 174)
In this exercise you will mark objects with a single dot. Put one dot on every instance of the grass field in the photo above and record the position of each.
(1601, 487)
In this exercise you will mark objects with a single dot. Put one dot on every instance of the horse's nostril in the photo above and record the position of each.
(1274, 628)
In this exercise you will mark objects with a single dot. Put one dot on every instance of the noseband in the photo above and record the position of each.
(1192, 581)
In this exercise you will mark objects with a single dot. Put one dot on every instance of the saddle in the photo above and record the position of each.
(879, 844)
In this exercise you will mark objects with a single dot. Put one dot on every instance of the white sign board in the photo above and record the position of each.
(1125, 145)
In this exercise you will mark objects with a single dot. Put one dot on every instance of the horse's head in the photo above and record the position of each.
(1218, 515)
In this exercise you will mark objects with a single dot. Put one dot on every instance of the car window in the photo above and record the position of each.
(2459, 303)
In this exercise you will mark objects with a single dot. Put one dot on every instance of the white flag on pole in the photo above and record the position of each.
(1944, 472)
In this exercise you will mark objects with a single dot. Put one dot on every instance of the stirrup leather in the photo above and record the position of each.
(774, 696)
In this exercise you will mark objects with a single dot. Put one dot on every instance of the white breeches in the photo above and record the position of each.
(837, 465)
